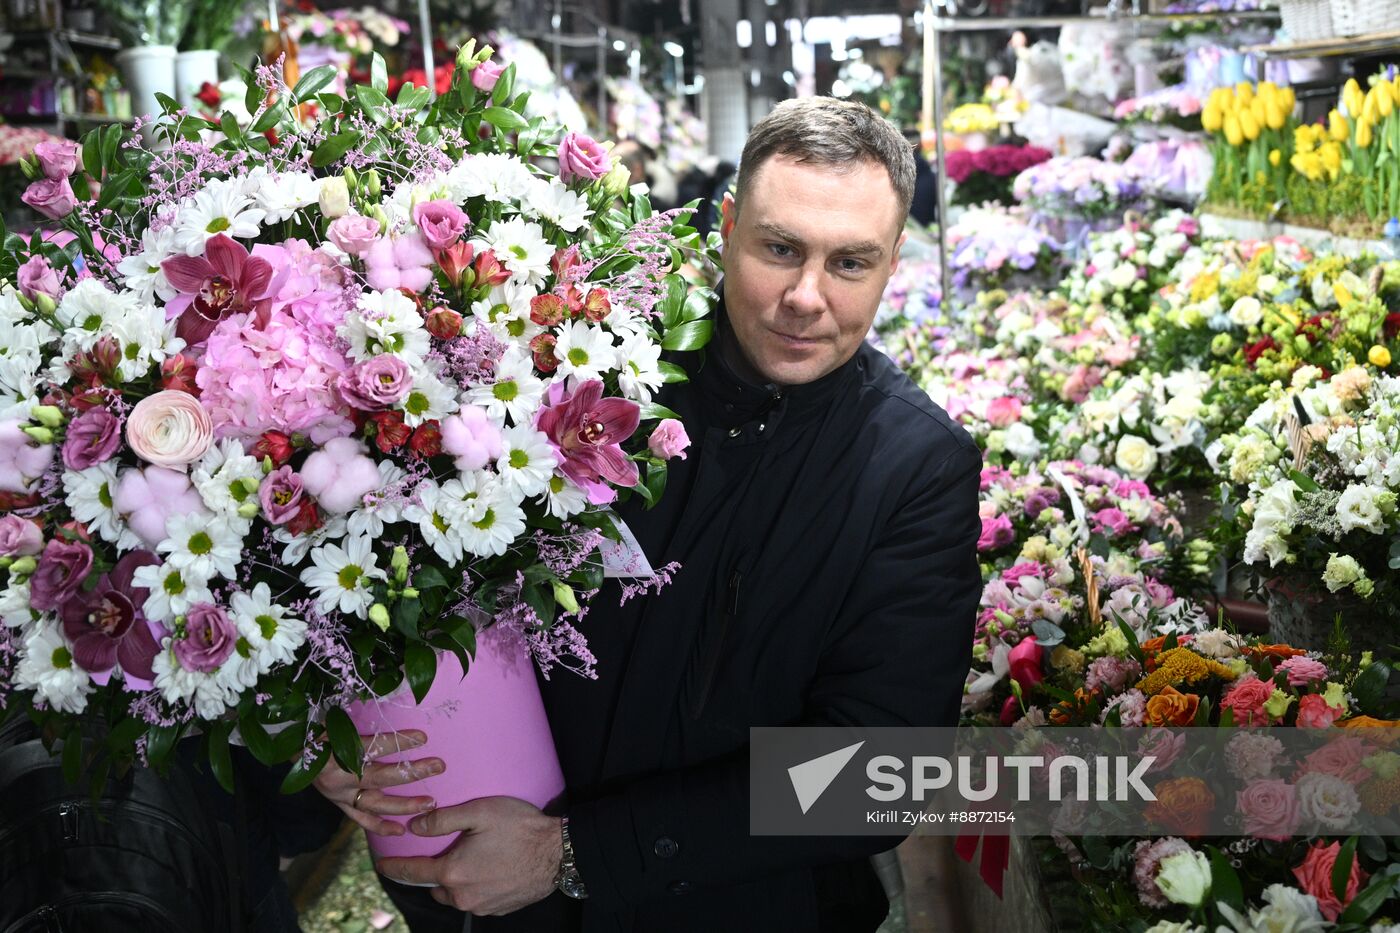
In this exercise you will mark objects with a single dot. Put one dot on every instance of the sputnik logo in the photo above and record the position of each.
(811, 778)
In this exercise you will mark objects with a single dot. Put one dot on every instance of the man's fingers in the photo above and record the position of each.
(375, 801)
(371, 823)
(410, 870)
(446, 820)
(389, 743)
(402, 772)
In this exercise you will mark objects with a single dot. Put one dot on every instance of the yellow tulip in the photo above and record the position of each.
(1275, 157)
(1395, 89)
(1385, 99)
(1337, 126)
(1378, 356)
(1363, 134)
(1259, 109)
(1276, 116)
(1304, 138)
(1211, 119)
(1353, 98)
(1370, 108)
(1233, 134)
(1288, 99)
(1248, 125)
(1331, 155)
(1244, 93)
(1342, 294)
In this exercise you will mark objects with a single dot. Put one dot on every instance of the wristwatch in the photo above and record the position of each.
(567, 880)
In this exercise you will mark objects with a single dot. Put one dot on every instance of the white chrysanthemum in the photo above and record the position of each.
(526, 462)
(46, 666)
(89, 497)
(639, 374)
(218, 207)
(142, 273)
(223, 475)
(495, 176)
(147, 339)
(500, 522)
(14, 605)
(201, 546)
(89, 308)
(342, 576)
(267, 635)
(521, 247)
(516, 393)
(440, 516)
(506, 313)
(21, 362)
(627, 323)
(430, 399)
(281, 196)
(386, 322)
(298, 546)
(210, 695)
(554, 202)
(563, 497)
(584, 352)
(370, 519)
(171, 591)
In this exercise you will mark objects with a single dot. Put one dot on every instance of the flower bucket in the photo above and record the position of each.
(192, 71)
(148, 70)
(489, 729)
(1304, 617)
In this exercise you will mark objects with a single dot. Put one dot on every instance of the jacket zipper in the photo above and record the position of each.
(716, 652)
(68, 811)
(47, 915)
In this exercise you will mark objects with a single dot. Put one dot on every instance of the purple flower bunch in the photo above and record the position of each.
(1081, 187)
(990, 247)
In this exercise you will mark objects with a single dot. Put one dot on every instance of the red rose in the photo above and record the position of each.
(209, 95)
(426, 441)
(276, 445)
(390, 433)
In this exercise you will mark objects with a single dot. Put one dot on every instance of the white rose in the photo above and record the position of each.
(1135, 456)
(334, 197)
(1174, 926)
(1359, 508)
(1341, 572)
(1184, 878)
(1090, 454)
(1247, 311)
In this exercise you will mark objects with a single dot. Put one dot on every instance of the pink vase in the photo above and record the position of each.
(489, 729)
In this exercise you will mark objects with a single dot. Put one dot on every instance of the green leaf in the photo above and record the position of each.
(256, 739)
(304, 772)
(429, 577)
(288, 744)
(92, 153)
(333, 149)
(670, 307)
(1341, 869)
(1227, 718)
(379, 74)
(540, 599)
(656, 480)
(1224, 881)
(1370, 685)
(111, 144)
(1133, 647)
(698, 304)
(501, 91)
(228, 125)
(312, 81)
(349, 751)
(405, 616)
(113, 189)
(420, 665)
(269, 118)
(1303, 481)
(670, 372)
(253, 97)
(652, 410)
(159, 741)
(219, 760)
(373, 103)
(1369, 900)
(167, 103)
(691, 335)
(507, 121)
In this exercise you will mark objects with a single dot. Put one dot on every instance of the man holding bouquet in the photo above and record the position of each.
(825, 523)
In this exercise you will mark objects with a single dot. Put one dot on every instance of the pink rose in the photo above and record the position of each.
(144, 499)
(1004, 412)
(169, 429)
(582, 158)
(1111, 522)
(52, 197)
(669, 440)
(37, 277)
(1303, 670)
(57, 159)
(1343, 757)
(470, 436)
(1269, 809)
(1247, 698)
(353, 233)
(210, 638)
(93, 437)
(1162, 744)
(1315, 877)
(400, 262)
(281, 495)
(485, 76)
(340, 474)
(376, 383)
(1314, 713)
(441, 223)
(21, 460)
(997, 532)
(19, 537)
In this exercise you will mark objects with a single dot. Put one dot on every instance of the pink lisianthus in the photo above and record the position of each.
(340, 474)
(225, 280)
(376, 383)
(209, 638)
(1164, 745)
(353, 233)
(52, 197)
(63, 566)
(146, 498)
(37, 277)
(57, 159)
(669, 440)
(441, 223)
(281, 495)
(93, 437)
(19, 537)
(485, 76)
(586, 430)
(582, 158)
(399, 262)
(470, 436)
(21, 460)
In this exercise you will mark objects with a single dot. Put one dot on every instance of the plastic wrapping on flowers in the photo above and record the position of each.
(313, 407)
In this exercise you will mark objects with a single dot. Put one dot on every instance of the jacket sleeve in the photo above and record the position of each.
(898, 655)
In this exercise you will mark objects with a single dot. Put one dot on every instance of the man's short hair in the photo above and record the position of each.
(827, 131)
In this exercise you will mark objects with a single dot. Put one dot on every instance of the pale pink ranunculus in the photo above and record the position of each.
(353, 233)
(485, 76)
(19, 537)
(37, 277)
(144, 499)
(340, 474)
(582, 158)
(1004, 412)
(470, 436)
(57, 159)
(21, 460)
(669, 439)
(399, 262)
(1314, 713)
(169, 429)
(1269, 808)
(52, 197)
(440, 222)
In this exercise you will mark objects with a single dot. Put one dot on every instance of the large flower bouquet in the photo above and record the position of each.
(984, 175)
(304, 411)
(1171, 106)
(1125, 268)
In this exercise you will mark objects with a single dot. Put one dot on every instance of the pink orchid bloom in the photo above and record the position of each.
(224, 281)
(587, 431)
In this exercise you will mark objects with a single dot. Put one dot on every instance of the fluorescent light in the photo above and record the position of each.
(770, 33)
(619, 45)
(743, 33)
(674, 49)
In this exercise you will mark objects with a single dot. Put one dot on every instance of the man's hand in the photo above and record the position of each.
(506, 858)
(361, 798)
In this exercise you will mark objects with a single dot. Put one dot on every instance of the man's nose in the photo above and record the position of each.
(805, 295)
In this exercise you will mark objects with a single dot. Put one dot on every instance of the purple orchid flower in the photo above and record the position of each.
(587, 431)
(107, 626)
(224, 281)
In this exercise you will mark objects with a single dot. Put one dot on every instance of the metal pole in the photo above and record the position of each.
(274, 23)
(940, 176)
(424, 23)
(602, 73)
(557, 21)
(926, 107)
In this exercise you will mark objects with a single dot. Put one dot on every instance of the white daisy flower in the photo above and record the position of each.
(342, 576)
(281, 196)
(521, 247)
(141, 272)
(209, 694)
(554, 202)
(88, 310)
(20, 364)
(386, 322)
(584, 352)
(638, 373)
(171, 591)
(370, 519)
(501, 521)
(223, 476)
(563, 497)
(201, 546)
(14, 605)
(430, 399)
(267, 635)
(506, 312)
(298, 546)
(147, 340)
(46, 666)
(89, 497)
(218, 207)
(439, 515)
(496, 177)
(516, 393)
(526, 462)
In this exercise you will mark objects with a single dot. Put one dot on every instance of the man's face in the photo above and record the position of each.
(805, 264)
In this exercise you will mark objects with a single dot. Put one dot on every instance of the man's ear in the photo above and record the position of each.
(898, 246)
(729, 213)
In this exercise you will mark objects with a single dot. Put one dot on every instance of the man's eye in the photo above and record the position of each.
(781, 250)
(851, 266)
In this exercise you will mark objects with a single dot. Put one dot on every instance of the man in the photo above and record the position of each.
(826, 524)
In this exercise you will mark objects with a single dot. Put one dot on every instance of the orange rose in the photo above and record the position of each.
(1388, 736)
(1172, 708)
(1276, 652)
(1183, 806)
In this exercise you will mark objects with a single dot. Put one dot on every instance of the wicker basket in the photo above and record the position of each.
(1306, 20)
(1363, 17)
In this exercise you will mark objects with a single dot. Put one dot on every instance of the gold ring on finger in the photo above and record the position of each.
(358, 795)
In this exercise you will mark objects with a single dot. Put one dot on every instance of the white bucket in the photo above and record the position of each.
(192, 71)
(148, 70)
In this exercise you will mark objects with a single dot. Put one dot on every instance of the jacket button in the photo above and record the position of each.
(666, 847)
(679, 887)
(735, 432)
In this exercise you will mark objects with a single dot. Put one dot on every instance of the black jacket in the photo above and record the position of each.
(827, 541)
